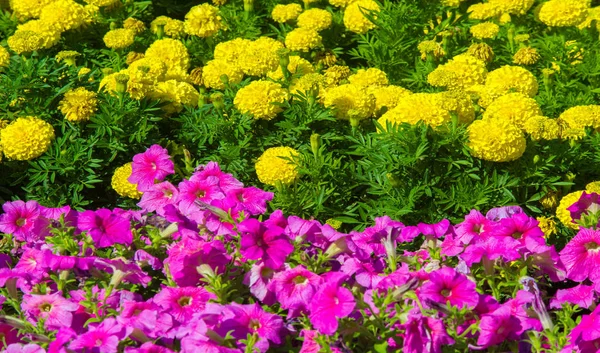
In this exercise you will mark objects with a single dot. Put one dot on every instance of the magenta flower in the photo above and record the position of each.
(295, 288)
(446, 285)
(471, 228)
(252, 319)
(24, 348)
(581, 295)
(498, 327)
(148, 347)
(193, 190)
(104, 337)
(581, 256)
(424, 334)
(23, 220)
(588, 329)
(251, 199)
(183, 302)
(55, 310)
(587, 204)
(367, 273)
(105, 227)
(154, 164)
(258, 279)
(158, 196)
(521, 227)
(227, 182)
(330, 303)
(435, 230)
(9, 334)
(498, 213)
(266, 243)
(491, 248)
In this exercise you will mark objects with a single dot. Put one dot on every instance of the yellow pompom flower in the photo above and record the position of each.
(102, 3)
(354, 16)
(203, 21)
(134, 25)
(297, 66)
(369, 77)
(25, 42)
(432, 47)
(133, 56)
(496, 140)
(261, 99)
(285, 13)
(594, 187)
(121, 185)
(50, 34)
(172, 27)
(515, 108)
(26, 138)
(119, 38)
(315, 19)
(483, 11)
(78, 104)
(508, 79)
(562, 13)
(481, 51)
(451, 3)
(547, 226)
(418, 107)
(341, 3)
(260, 56)
(563, 215)
(516, 7)
(336, 74)
(84, 71)
(171, 52)
(4, 57)
(459, 103)
(214, 70)
(581, 117)
(350, 102)
(526, 56)
(64, 15)
(303, 39)
(306, 83)
(542, 128)
(461, 72)
(387, 96)
(232, 50)
(485, 30)
(276, 166)
(175, 94)
(26, 9)
(219, 2)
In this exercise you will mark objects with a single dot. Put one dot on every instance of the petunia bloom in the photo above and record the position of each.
(105, 227)
(267, 243)
(330, 303)
(448, 286)
(581, 256)
(55, 310)
(183, 302)
(24, 220)
(154, 164)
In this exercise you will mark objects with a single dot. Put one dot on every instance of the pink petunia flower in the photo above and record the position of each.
(158, 196)
(154, 164)
(24, 348)
(105, 227)
(424, 334)
(295, 288)
(104, 337)
(148, 347)
(183, 302)
(448, 286)
(194, 189)
(587, 204)
(258, 279)
(491, 248)
(581, 256)
(227, 182)
(471, 228)
(252, 200)
(330, 303)
(252, 319)
(520, 227)
(588, 329)
(261, 242)
(581, 295)
(23, 220)
(55, 310)
(498, 327)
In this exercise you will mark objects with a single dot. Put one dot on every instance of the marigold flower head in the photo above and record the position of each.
(481, 51)
(542, 128)
(50, 34)
(526, 56)
(516, 7)
(562, 13)
(460, 72)
(196, 76)
(84, 71)
(26, 138)
(593, 187)
(581, 117)
(418, 107)
(175, 95)
(232, 50)
(303, 39)
(261, 99)
(508, 79)
(213, 71)
(387, 96)
(260, 56)
(67, 56)
(64, 15)
(78, 104)
(134, 25)
(564, 215)
(307, 82)
(350, 101)
(108, 83)
(483, 11)
(593, 14)
(284, 13)
(144, 74)
(24, 41)
(26, 9)
(121, 185)
(171, 52)
(354, 16)
(550, 200)
(547, 225)
(485, 30)
(173, 28)
(4, 57)
(133, 56)
(431, 47)
(369, 77)
(119, 38)
(315, 19)
(325, 58)
(496, 140)
(297, 66)
(341, 3)
(203, 21)
(276, 165)
(102, 3)
(515, 108)
(336, 74)
(459, 103)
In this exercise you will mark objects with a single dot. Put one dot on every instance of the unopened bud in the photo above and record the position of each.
(315, 143)
(121, 86)
(217, 100)
(113, 25)
(248, 5)
(536, 159)
(160, 30)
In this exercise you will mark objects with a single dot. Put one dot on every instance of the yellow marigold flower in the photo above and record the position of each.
(419, 107)
(593, 14)
(562, 13)
(83, 71)
(50, 35)
(431, 47)
(547, 225)
(461, 72)
(515, 108)
(260, 56)
(26, 9)
(171, 52)
(459, 103)
(341, 3)
(549, 201)
(102, 3)
(63, 14)
(297, 66)
(203, 21)
(594, 187)
(369, 77)
(504, 19)
(214, 70)
(326, 58)
(285, 13)
(483, 11)
(526, 56)
(563, 215)
(175, 94)
(336, 74)
(481, 51)
(335, 224)
(121, 185)
(119, 38)
(307, 82)
(516, 7)
(508, 79)
(261, 99)
(172, 27)
(68, 56)
(144, 74)
(303, 39)
(134, 25)
(4, 57)
(133, 56)
(232, 50)
(350, 101)
(575, 120)
(108, 83)
(78, 104)
(542, 128)
(496, 140)
(91, 14)
(354, 16)
(315, 19)
(276, 165)
(219, 2)
(387, 96)
(25, 42)
(485, 30)
(26, 138)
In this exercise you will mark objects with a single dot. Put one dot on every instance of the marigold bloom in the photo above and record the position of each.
(175, 94)
(461, 72)
(431, 47)
(50, 34)
(354, 16)
(496, 140)
(78, 104)
(483, 11)
(485, 30)
(260, 99)
(274, 166)
(507, 79)
(542, 128)
(172, 27)
(4, 57)
(303, 39)
(387, 96)
(135, 25)
(369, 77)
(24, 41)
(259, 57)
(284, 13)
(515, 108)
(63, 14)
(26, 9)
(562, 212)
(298, 66)
(214, 70)
(350, 102)
(459, 103)
(232, 50)
(121, 185)
(581, 117)
(341, 3)
(562, 13)
(336, 74)
(203, 21)
(102, 3)
(516, 7)
(315, 19)
(171, 52)
(419, 107)
(26, 138)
